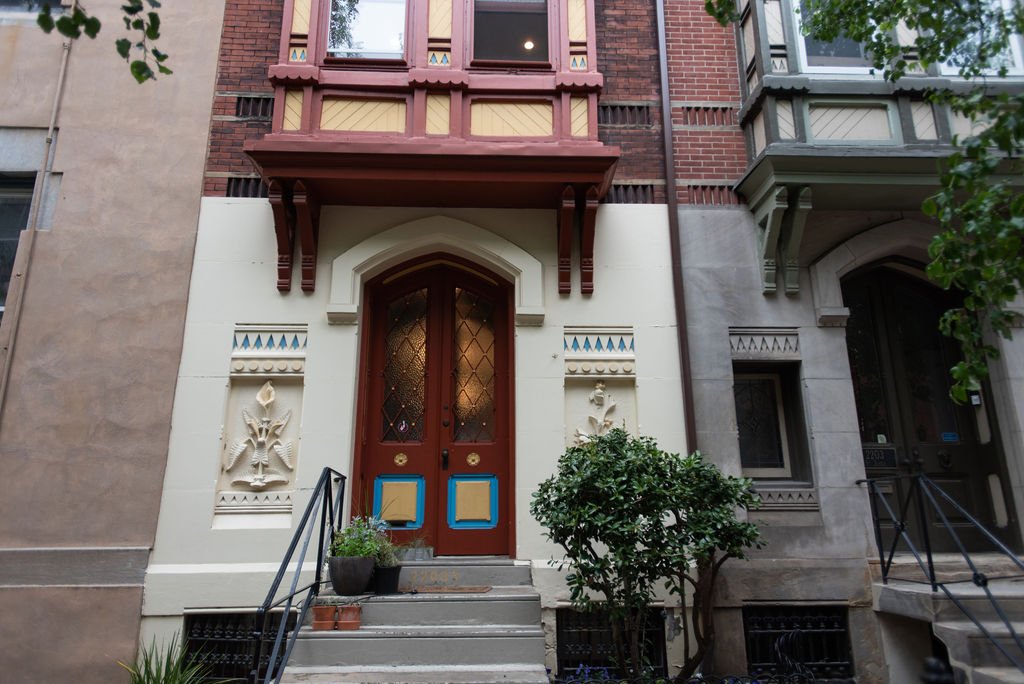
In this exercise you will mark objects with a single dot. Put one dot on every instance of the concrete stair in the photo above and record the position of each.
(976, 659)
(457, 620)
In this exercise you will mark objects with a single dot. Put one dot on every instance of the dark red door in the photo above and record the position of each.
(435, 459)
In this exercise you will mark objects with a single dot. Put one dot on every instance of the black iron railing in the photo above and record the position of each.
(327, 498)
(931, 506)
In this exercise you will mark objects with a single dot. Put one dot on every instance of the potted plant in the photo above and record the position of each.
(415, 550)
(387, 568)
(353, 552)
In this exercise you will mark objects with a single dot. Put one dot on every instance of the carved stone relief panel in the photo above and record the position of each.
(259, 448)
(764, 344)
(600, 381)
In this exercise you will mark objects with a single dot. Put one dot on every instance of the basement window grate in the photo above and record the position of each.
(630, 194)
(629, 115)
(246, 187)
(254, 107)
(225, 642)
(809, 640)
(584, 642)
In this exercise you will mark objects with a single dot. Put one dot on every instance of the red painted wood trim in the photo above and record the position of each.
(565, 221)
(587, 241)
(307, 214)
(277, 193)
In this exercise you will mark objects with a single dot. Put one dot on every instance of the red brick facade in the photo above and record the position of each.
(710, 153)
(709, 148)
(249, 45)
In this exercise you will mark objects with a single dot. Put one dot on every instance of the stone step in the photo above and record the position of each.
(516, 605)
(967, 644)
(997, 675)
(405, 645)
(462, 674)
(462, 572)
(919, 602)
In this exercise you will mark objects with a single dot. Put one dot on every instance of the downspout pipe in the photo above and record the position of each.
(678, 289)
(31, 229)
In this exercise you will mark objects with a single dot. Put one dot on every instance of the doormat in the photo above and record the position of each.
(445, 590)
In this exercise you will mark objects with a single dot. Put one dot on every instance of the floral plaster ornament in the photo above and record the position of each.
(264, 437)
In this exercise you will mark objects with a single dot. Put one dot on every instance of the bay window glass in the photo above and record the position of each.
(510, 30)
(367, 29)
(841, 53)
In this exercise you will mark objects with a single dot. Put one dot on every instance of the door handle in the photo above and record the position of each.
(444, 459)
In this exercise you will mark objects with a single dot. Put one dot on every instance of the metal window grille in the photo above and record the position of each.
(812, 640)
(254, 107)
(585, 641)
(246, 187)
(629, 115)
(225, 642)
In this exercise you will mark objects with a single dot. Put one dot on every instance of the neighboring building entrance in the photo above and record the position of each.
(900, 365)
(435, 406)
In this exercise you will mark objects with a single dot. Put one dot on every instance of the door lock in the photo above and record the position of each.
(444, 459)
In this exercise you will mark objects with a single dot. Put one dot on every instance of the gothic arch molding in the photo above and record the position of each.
(351, 269)
(904, 238)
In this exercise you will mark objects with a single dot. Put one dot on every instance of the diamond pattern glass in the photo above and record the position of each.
(405, 368)
(757, 419)
(473, 368)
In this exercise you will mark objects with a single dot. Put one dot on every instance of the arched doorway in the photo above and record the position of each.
(436, 406)
(900, 362)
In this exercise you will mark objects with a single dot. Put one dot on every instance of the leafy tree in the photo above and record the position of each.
(629, 516)
(978, 206)
(145, 25)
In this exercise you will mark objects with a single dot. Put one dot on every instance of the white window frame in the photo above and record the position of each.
(801, 48)
(1016, 52)
(786, 471)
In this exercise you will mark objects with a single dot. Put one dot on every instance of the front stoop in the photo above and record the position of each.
(977, 660)
(431, 635)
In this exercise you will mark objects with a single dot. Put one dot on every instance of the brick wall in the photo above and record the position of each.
(708, 145)
(249, 45)
(627, 55)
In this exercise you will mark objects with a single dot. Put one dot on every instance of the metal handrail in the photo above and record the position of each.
(922, 491)
(329, 502)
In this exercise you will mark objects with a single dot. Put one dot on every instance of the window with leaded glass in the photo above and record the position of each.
(769, 421)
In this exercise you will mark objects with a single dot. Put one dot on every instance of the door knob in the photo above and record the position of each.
(444, 459)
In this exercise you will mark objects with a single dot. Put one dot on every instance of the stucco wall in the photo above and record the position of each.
(197, 562)
(84, 425)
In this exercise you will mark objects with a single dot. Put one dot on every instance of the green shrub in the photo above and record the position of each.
(169, 664)
(629, 516)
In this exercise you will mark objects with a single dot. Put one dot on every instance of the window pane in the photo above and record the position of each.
(757, 418)
(841, 52)
(367, 29)
(14, 205)
(473, 368)
(510, 30)
(405, 369)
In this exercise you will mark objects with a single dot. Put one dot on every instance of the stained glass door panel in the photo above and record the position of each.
(900, 367)
(436, 460)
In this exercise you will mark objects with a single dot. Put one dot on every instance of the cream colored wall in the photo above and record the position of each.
(234, 281)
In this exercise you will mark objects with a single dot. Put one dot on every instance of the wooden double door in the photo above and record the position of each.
(900, 366)
(436, 406)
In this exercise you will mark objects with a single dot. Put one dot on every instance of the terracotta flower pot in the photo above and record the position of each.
(385, 580)
(349, 617)
(324, 617)
(350, 576)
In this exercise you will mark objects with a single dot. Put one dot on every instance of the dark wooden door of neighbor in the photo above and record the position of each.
(900, 365)
(437, 423)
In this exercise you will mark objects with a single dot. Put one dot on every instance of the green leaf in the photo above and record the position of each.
(67, 27)
(91, 26)
(141, 71)
(153, 29)
(123, 46)
(45, 19)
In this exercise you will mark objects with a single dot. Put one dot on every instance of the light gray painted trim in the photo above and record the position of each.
(95, 566)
